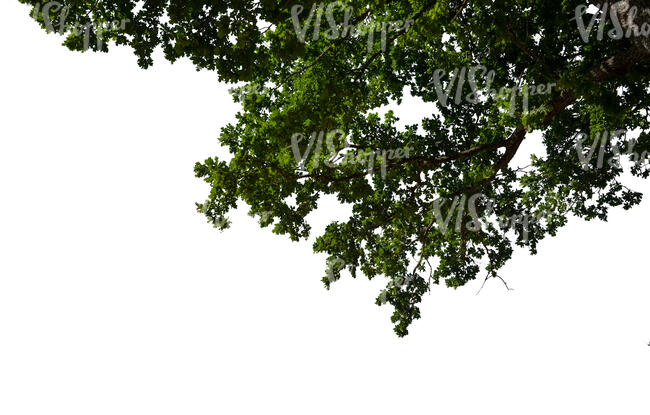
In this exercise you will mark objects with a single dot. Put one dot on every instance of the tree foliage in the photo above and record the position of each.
(328, 80)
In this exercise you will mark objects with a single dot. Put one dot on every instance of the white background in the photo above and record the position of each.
(116, 296)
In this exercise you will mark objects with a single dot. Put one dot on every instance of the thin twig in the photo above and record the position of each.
(459, 11)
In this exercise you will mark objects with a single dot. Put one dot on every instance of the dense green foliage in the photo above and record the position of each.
(335, 82)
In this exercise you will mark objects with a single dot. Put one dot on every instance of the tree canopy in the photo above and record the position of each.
(440, 201)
